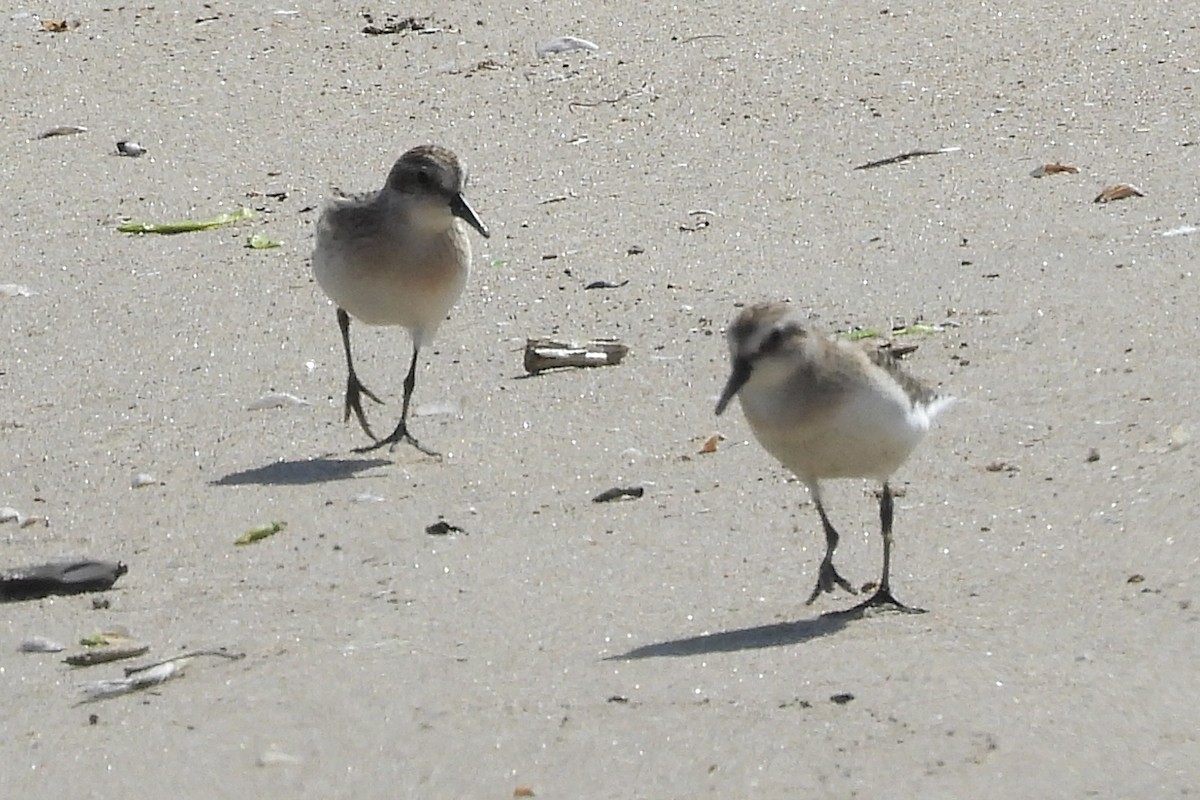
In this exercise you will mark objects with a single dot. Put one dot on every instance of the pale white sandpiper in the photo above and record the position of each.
(828, 408)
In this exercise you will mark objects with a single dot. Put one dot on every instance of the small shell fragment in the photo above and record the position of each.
(276, 758)
(61, 130)
(101, 690)
(276, 400)
(41, 644)
(1118, 191)
(710, 444)
(14, 290)
(1054, 169)
(10, 514)
(143, 479)
(131, 149)
(564, 44)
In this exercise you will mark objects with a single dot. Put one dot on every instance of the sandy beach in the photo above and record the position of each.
(657, 647)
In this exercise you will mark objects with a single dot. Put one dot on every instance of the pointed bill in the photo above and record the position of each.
(737, 379)
(460, 208)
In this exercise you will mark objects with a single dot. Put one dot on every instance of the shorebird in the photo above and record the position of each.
(398, 256)
(827, 408)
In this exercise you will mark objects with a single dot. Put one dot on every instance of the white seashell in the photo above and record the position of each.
(367, 497)
(564, 44)
(276, 400)
(14, 290)
(438, 408)
(275, 758)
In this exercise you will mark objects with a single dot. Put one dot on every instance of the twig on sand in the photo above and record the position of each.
(883, 162)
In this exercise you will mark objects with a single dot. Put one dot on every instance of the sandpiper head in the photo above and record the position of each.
(432, 176)
(760, 336)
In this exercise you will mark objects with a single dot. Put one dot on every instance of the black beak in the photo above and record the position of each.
(460, 208)
(737, 379)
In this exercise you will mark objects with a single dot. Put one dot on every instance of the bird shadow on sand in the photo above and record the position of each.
(779, 634)
(299, 473)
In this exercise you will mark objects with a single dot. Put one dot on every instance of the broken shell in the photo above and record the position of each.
(14, 290)
(131, 149)
(1118, 191)
(564, 44)
(61, 130)
(142, 479)
(41, 644)
(273, 757)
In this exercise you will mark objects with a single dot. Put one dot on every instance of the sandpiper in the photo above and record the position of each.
(398, 256)
(828, 408)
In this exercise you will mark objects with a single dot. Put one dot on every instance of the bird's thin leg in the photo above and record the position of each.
(828, 578)
(354, 387)
(883, 595)
(401, 433)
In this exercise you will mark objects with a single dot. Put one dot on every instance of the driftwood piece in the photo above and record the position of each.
(543, 354)
(129, 648)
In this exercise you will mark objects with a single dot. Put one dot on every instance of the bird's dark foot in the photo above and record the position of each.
(882, 600)
(354, 392)
(399, 436)
(828, 579)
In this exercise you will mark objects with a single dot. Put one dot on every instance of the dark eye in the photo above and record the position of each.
(772, 342)
(424, 179)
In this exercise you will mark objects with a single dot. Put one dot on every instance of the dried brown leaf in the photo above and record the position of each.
(1054, 169)
(1118, 191)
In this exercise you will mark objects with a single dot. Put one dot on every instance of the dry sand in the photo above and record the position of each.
(652, 648)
